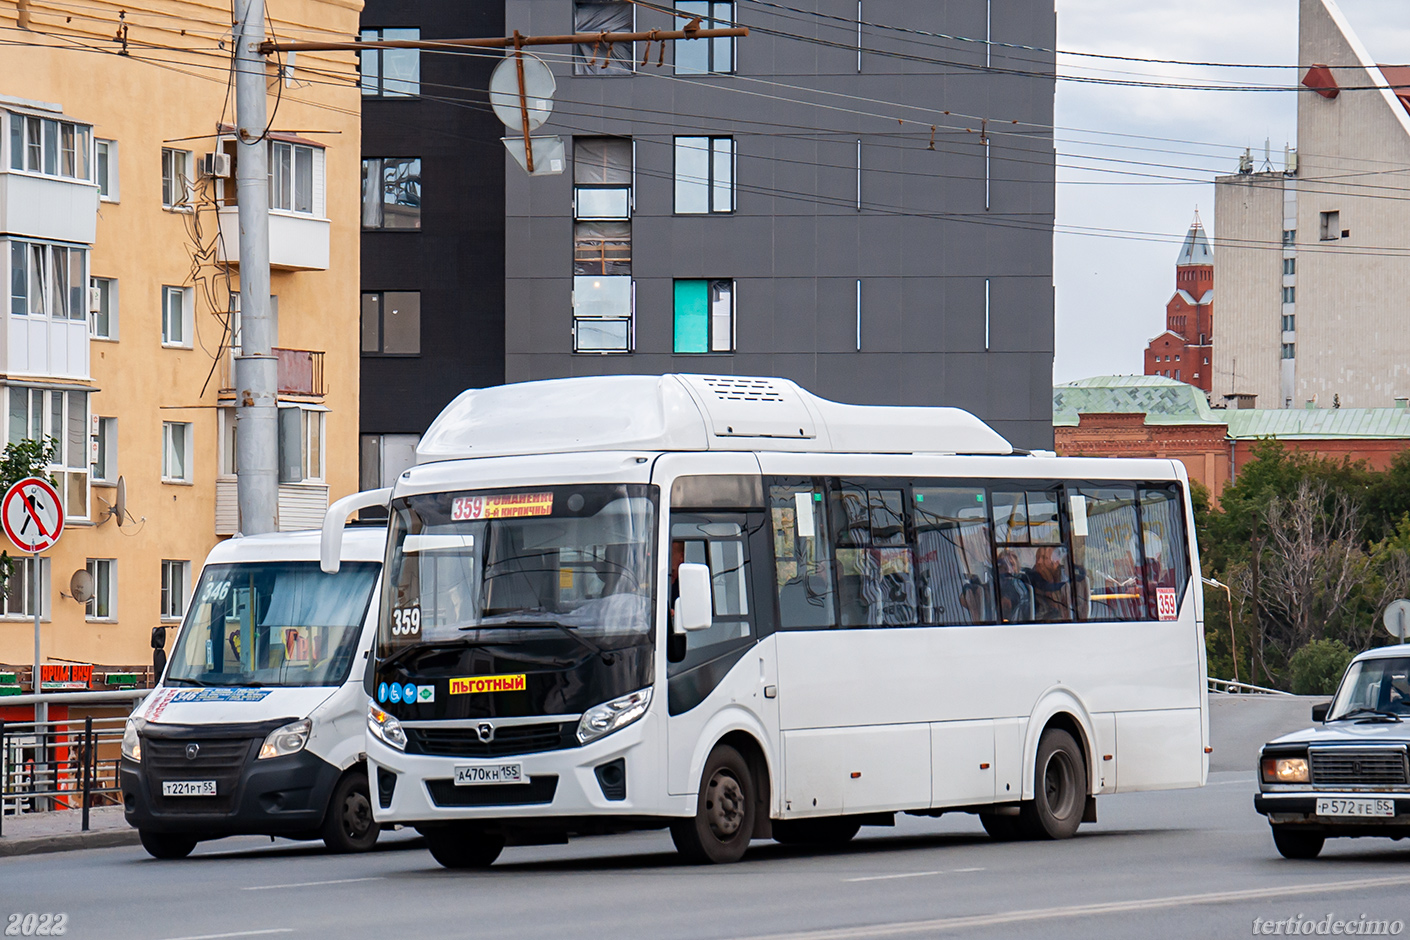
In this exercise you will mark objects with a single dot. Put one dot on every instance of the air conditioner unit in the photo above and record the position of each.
(95, 300)
(216, 165)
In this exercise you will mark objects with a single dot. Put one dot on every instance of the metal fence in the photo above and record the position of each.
(1240, 688)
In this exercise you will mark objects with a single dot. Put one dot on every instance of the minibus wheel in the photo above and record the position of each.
(348, 825)
(463, 846)
(1294, 844)
(1059, 789)
(166, 845)
(723, 822)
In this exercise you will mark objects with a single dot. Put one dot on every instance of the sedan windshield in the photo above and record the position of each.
(280, 623)
(512, 564)
(1372, 686)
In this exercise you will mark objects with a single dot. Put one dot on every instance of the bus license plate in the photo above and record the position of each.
(489, 773)
(188, 788)
(1334, 807)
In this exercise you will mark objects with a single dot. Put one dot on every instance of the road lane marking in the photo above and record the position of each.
(907, 874)
(959, 870)
(908, 928)
(239, 933)
(309, 884)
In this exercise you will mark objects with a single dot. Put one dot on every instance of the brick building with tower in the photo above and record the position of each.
(1184, 350)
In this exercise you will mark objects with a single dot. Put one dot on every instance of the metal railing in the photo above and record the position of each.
(1240, 688)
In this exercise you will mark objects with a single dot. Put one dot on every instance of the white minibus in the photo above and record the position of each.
(726, 606)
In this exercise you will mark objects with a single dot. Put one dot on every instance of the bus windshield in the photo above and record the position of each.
(516, 562)
(273, 623)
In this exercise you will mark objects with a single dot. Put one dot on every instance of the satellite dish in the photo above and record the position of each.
(119, 509)
(539, 87)
(81, 586)
(1397, 618)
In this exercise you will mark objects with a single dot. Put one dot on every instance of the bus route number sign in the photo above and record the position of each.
(32, 515)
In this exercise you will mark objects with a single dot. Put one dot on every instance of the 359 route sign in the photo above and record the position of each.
(32, 515)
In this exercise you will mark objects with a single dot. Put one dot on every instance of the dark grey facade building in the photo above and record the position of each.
(857, 196)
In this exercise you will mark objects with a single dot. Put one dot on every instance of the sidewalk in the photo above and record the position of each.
(61, 831)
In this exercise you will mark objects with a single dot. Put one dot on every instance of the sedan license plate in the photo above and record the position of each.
(1336, 807)
(489, 773)
(188, 788)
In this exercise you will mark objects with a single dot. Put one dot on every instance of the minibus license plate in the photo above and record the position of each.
(491, 773)
(188, 788)
(1334, 807)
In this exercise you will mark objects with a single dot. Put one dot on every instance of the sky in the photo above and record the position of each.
(1112, 291)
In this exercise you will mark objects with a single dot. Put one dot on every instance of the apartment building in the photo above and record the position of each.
(120, 249)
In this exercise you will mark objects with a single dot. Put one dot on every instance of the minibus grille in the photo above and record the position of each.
(1380, 767)
(507, 740)
(218, 759)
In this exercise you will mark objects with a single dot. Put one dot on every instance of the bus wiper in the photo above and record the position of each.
(1369, 713)
(607, 658)
(252, 684)
(196, 682)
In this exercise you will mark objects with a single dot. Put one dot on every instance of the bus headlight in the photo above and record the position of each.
(385, 728)
(611, 716)
(287, 740)
(131, 741)
(1285, 770)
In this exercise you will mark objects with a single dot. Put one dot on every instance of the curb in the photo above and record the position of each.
(68, 842)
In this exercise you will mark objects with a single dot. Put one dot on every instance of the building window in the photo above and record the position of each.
(177, 314)
(176, 452)
(1177, 357)
(20, 589)
(383, 458)
(105, 441)
(1329, 226)
(48, 280)
(602, 248)
(105, 169)
(602, 178)
(301, 445)
(50, 147)
(603, 314)
(103, 604)
(176, 178)
(603, 16)
(704, 175)
(225, 421)
(1289, 322)
(1289, 266)
(1289, 236)
(703, 56)
(1289, 295)
(61, 417)
(291, 177)
(1289, 350)
(391, 193)
(1177, 375)
(391, 323)
(390, 73)
(175, 577)
(103, 308)
(704, 316)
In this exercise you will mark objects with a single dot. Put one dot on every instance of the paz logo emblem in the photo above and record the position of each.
(192, 750)
(485, 731)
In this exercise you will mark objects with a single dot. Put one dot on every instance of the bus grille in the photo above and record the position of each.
(508, 740)
(1381, 767)
(539, 789)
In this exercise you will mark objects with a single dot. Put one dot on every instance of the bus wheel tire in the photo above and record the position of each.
(458, 847)
(167, 845)
(1294, 844)
(1001, 828)
(1059, 789)
(836, 830)
(723, 822)
(348, 825)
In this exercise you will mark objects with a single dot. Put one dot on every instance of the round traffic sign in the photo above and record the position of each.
(539, 87)
(32, 515)
(1397, 618)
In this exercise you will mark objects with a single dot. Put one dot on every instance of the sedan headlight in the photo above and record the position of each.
(132, 741)
(385, 728)
(1285, 770)
(287, 740)
(610, 716)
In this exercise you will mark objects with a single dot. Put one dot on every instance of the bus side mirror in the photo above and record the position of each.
(1319, 711)
(692, 610)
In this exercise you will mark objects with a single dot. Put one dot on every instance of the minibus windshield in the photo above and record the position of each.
(274, 623)
(506, 565)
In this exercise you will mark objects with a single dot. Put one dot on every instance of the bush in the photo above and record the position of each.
(1317, 667)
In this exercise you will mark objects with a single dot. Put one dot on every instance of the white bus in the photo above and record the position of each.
(726, 606)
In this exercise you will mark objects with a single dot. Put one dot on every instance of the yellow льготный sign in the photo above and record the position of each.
(475, 684)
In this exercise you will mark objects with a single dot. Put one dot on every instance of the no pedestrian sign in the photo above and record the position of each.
(32, 515)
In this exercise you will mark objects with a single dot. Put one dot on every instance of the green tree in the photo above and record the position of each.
(1317, 667)
(26, 458)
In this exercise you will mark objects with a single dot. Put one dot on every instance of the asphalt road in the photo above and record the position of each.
(1173, 864)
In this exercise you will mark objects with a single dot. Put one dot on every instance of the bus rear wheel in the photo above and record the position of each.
(723, 823)
(463, 846)
(1059, 789)
(1001, 828)
(834, 830)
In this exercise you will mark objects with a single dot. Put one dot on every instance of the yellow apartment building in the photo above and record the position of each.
(119, 250)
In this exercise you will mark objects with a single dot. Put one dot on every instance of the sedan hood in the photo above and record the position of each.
(1351, 732)
(214, 706)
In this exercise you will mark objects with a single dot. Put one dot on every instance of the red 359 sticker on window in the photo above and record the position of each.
(1166, 607)
(501, 507)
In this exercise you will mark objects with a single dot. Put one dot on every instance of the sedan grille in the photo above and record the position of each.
(1381, 767)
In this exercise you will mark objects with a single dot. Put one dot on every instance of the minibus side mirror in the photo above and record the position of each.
(692, 610)
(1319, 711)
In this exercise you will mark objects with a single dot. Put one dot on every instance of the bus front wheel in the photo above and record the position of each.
(723, 822)
(1059, 788)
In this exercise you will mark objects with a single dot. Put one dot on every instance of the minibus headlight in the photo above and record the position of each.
(131, 741)
(610, 716)
(385, 728)
(1285, 770)
(287, 740)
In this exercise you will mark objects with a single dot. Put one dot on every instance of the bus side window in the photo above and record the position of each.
(1163, 537)
(1034, 575)
(954, 556)
(1106, 552)
(802, 556)
(875, 564)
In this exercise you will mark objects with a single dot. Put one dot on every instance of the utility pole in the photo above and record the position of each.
(256, 369)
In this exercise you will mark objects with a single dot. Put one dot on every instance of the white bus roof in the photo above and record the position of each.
(689, 413)
(360, 543)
